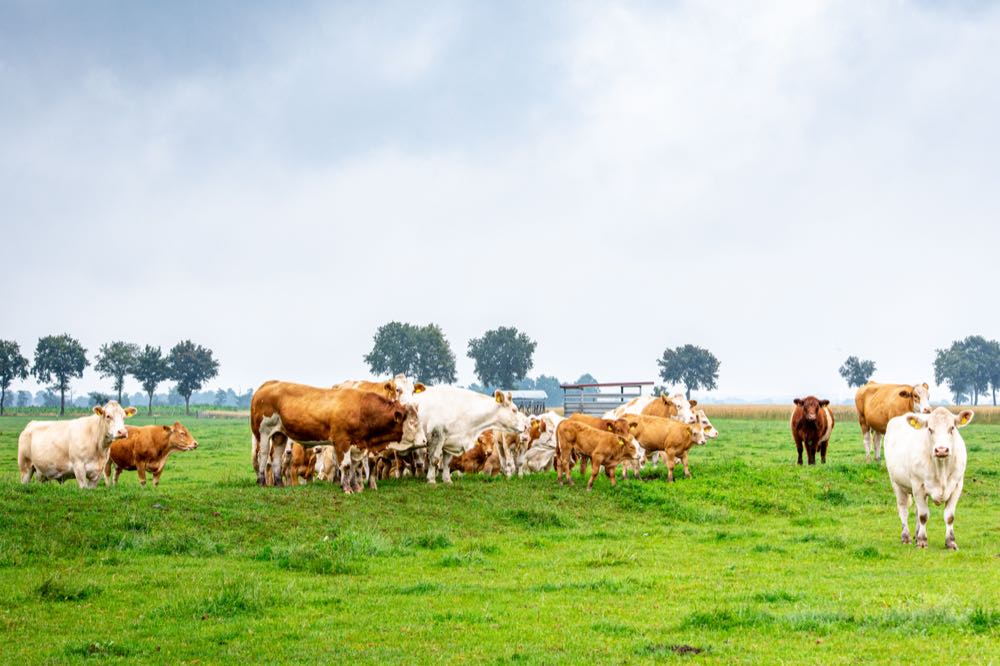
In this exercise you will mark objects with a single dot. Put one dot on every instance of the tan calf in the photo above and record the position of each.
(302, 464)
(605, 448)
(146, 449)
(474, 459)
(877, 404)
(673, 438)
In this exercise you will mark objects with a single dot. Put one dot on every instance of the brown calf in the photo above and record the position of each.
(604, 448)
(474, 459)
(147, 448)
(673, 438)
(812, 424)
(302, 464)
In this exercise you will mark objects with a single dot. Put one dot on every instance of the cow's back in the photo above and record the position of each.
(877, 404)
(660, 408)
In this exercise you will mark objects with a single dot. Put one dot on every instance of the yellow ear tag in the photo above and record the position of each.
(965, 420)
(499, 400)
(610, 428)
(419, 389)
(915, 423)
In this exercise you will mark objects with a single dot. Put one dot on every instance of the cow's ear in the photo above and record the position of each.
(419, 388)
(964, 418)
(905, 394)
(797, 401)
(390, 388)
(824, 403)
(399, 415)
(665, 398)
(915, 421)
(926, 386)
(694, 403)
(129, 411)
(166, 428)
(99, 411)
(498, 396)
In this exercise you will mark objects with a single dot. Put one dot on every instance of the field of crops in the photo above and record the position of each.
(754, 560)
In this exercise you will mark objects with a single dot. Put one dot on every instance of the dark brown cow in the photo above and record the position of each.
(342, 417)
(146, 449)
(812, 424)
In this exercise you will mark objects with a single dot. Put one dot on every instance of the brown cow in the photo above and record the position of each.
(604, 448)
(474, 459)
(878, 403)
(619, 426)
(812, 425)
(147, 448)
(666, 406)
(303, 464)
(673, 438)
(342, 417)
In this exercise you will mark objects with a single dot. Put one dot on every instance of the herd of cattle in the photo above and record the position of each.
(359, 431)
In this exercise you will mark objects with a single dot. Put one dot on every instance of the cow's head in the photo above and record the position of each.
(509, 417)
(811, 406)
(405, 388)
(113, 418)
(413, 433)
(681, 407)
(942, 429)
(533, 432)
(706, 425)
(179, 439)
(697, 433)
(920, 398)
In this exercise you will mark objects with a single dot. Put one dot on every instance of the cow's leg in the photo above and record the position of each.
(107, 472)
(80, 472)
(684, 460)
(342, 460)
(434, 440)
(118, 472)
(903, 508)
(156, 475)
(811, 451)
(923, 514)
(279, 441)
(798, 447)
(822, 450)
(867, 435)
(949, 519)
(263, 450)
(611, 472)
(877, 442)
(670, 467)
(446, 467)
(595, 469)
(140, 468)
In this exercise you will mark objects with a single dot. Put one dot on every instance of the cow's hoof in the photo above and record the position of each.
(447, 482)
(904, 537)
(950, 544)
(921, 542)
(431, 482)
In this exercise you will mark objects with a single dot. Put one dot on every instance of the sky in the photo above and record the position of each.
(782, 183)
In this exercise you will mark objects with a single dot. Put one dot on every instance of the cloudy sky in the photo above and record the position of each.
(784, 183)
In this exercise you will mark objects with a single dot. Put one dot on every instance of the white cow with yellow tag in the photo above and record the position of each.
(452, 418)
(925, 456)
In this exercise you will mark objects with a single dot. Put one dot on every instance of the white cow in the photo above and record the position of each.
(452, 419)
(542, 451)
(678, 404)
(79, 447)
(925, 456)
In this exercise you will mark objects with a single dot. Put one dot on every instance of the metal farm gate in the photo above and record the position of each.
(595, 399)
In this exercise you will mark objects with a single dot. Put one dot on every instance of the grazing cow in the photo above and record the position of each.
(452, 418)
(75, 448)
(605, 448)
(302, 464)
(146, 449)
(326, 463)
(671, 437)
(674, 406)
(541, 451)
(878, 403)
(925, 456)
(343, 417)
(812, 424)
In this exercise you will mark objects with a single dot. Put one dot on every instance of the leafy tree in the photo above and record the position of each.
(59, 358)
(692, 366)
(550, 385)
(150, 368)
(421, 352)
(191, 366)
(220, 398)
(993, 370)
(967, 366)
(12, 366)
(24, 398)
(857, 372)
(97, 398)
(502, 356)
(587, 378)
(115, 361)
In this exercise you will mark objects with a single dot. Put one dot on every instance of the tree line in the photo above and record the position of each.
(59, 359)
(503, 357)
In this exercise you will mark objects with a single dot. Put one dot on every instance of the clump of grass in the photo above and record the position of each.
(471, 557)
(100, 649)
(816, 621)
(612, 557)
(775, 596)
(612, 628)
(53, 589)
(536, 518)
(982, 620)
(868, 553)
(724, 619)
(429, 541)
(233, 598)
(833, 497)
(664, 649)
(766, 548)
(422, 587)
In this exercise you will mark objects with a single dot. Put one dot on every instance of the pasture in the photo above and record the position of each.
(754, 560)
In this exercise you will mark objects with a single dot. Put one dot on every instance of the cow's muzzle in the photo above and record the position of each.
(941, 452)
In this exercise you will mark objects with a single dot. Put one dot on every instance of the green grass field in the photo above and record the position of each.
(754, 560)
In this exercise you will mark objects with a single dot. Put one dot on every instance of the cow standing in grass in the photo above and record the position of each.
(146, 449)
(812, 425)
(76, 448)
(925, 456)
(878, 403)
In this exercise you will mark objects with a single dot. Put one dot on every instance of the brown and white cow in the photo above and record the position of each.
(812, 424)
(74, 448)
(877, 404)
(343, 417)
(145, 449)
(605, 448)
(399, 388)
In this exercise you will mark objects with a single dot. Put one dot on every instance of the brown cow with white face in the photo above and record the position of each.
(812, 424)
(877, 404)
